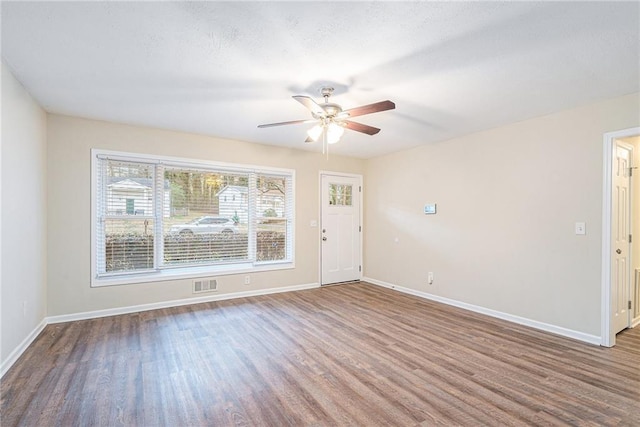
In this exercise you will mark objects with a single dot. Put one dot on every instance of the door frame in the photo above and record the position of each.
(607, 338)
(319, 234)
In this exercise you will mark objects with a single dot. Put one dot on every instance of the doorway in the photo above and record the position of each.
(621, 233)
(340, 228)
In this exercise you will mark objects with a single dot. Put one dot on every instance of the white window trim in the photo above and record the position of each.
(194, 271)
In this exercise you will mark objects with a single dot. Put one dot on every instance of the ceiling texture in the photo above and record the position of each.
(222, 68)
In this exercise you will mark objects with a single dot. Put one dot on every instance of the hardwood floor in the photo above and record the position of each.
(337, 356)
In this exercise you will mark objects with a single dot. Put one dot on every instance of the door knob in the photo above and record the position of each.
(618, 251)
(324, 239)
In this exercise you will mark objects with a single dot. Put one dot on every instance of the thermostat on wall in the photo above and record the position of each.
(430, 209)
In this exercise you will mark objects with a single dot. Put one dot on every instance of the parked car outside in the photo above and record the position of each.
(206, 224)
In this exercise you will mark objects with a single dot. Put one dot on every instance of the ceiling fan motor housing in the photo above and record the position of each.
(330, 110)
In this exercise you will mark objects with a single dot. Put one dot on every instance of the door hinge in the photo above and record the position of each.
(629, 306)
(630, 238)
(360, 228)
(360, 188)
(360, 269)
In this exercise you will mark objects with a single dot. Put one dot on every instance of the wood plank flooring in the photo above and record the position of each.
(343, 355)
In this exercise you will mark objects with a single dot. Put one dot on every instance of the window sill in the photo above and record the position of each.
(189, 273)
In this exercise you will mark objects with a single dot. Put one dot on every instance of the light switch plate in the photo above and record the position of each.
(581, 228)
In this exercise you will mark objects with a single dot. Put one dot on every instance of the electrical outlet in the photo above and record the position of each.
(430, 278)
(247, 280)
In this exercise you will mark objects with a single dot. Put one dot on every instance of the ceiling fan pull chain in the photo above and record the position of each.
(325, 140)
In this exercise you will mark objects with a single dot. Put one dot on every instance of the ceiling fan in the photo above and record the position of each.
(331, 120)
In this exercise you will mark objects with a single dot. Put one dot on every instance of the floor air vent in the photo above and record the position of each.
(205, 285)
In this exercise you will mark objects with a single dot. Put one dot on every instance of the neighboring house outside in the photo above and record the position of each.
(233, 200)
(133, 196)
(270, 200)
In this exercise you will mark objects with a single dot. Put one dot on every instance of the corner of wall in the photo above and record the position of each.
(24, 251)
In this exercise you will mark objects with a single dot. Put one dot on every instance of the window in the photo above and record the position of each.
(158, 217)
(340, 194)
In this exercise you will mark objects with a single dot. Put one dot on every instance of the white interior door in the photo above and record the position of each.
(340, 228)
(620, 245)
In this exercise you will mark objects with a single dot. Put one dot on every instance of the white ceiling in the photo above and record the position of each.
(222, 68)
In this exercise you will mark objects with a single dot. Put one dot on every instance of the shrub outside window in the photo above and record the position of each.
(158, 218)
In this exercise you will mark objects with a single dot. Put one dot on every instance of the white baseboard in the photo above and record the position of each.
(174, 303)
(17, 352)
(558, 330)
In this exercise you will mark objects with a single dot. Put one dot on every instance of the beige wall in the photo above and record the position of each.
(635, 223)
(508, 198)
(70, 141)
(24, 212)
(635, 214)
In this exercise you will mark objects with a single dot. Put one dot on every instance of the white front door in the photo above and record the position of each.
(340, 228)
(620, 245)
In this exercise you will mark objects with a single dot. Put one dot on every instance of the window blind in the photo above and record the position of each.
(125, 216)
(274, 215)
(156, 215)
(197, 227)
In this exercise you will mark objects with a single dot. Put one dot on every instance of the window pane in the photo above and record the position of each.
(271, 235)
(126, 239)
(128, 244)
(206, 222)
(340, 194)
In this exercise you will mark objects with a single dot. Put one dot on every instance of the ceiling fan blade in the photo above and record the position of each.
(294, 122)
(312, 105)
(371, 108)
(359, 127)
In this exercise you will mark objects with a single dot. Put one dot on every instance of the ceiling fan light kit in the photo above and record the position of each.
(334, 132)
(330, 120)
(315, 132)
